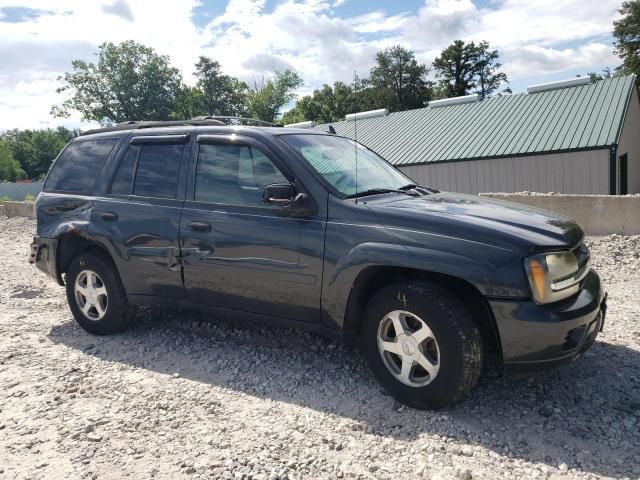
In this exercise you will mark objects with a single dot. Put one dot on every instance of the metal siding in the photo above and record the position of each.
(582, 117)
(575, 172)
(629, 144)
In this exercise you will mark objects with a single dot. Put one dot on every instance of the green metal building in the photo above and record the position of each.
(574, 136)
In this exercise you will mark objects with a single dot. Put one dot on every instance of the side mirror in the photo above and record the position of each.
(279, 194)
(284, 194)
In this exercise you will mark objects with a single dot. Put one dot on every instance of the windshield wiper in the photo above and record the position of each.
(375, 191)
(419, 188)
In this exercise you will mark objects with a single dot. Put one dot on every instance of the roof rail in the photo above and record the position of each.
(137, 125)
(231, 120)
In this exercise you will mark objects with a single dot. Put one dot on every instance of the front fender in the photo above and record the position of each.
(491, 275)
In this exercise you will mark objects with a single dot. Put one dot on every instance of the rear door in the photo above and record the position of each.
(140, 214)
(238, 252)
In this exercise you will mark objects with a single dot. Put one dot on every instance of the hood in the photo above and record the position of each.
(484, 220)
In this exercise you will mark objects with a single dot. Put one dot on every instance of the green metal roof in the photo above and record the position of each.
(572, 118)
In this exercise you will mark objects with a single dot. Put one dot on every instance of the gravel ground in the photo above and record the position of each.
(185, 399)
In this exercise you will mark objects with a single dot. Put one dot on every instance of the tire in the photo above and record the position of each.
(106, 308)
(451, 344)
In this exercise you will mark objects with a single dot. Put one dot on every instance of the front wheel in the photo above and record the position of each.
(95, 294)
(422, 344)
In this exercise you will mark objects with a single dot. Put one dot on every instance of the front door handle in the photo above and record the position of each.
(200, 226)
(109, 216)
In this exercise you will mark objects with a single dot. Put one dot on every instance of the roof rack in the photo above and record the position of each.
(136, 125)
(230, 120)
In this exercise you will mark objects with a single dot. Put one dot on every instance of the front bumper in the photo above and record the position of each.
(43, 256)
(535, 337)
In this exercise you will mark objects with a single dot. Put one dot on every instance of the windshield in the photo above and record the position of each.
(335, 159)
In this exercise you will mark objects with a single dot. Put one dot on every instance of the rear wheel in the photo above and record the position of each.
(422, 344)
(95, 294)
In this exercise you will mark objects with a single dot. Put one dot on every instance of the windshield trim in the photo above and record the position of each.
(334, 191)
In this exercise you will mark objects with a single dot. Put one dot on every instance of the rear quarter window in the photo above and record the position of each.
(77, 168)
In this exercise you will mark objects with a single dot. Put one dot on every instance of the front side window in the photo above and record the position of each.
(234, 175)
(149, 170)
(334, 158)
(77, 168)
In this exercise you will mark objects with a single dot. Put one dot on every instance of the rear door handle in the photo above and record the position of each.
(109, 216)
(200, 226)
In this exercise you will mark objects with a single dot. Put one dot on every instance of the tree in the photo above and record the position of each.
(220, 94)
(456, 70)
(35, 150)
(129, 82)
(267, 96)
(626, 31)
(464, 68)
(188, 103)
(10, 169)
(327, 104)
(487, 65)
(606, 74)
(400, 81)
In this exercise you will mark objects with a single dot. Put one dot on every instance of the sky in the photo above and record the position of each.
(323, 40)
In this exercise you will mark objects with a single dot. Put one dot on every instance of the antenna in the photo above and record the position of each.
(355, 126)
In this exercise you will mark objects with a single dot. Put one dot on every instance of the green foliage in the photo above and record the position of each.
(35, 150)
(219, 94)
(606, 74)
(464, 68)
(455, 69)
(29, 198)
(10, 169)
(487, 66)
(188, 103)
(268, 95)
(399, 80)
(129, 82)
(327, 104)
(626, 32)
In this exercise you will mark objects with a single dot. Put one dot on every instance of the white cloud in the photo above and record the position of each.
(250, 37)
(530, 59)
(119, 8)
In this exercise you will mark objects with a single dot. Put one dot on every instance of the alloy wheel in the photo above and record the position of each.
(91, 295)
(408, 348)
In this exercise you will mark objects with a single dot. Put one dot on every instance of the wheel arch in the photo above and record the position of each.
(373, 278)
(72, 244)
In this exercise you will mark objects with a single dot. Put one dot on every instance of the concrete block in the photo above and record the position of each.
(19, 209)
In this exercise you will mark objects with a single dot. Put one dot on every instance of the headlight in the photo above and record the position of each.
(554, 276)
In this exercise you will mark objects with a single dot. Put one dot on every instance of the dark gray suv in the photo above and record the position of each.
(311, 229)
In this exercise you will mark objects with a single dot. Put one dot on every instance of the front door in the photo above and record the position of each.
(140, 215)
(238, 252)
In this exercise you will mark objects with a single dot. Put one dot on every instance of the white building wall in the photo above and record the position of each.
(584, 172)
(629, 143)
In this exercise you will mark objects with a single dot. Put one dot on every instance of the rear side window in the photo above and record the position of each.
(123, 180)
(77, 168)
(154, 167)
